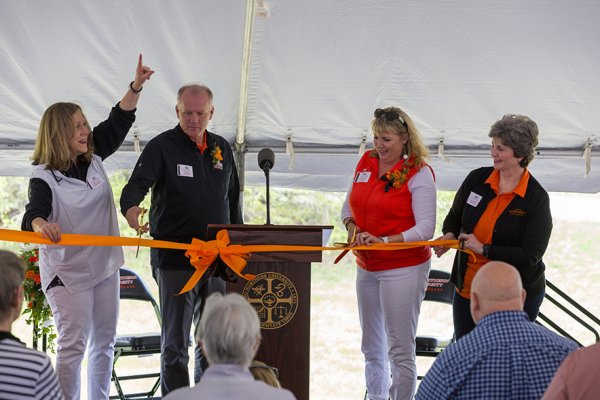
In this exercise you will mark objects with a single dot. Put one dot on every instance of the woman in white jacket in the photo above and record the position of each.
(69, 192)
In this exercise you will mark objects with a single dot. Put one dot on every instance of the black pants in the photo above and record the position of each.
(463, 322)
(178, 312)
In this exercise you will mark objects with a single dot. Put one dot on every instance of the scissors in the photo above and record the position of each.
(140, 231)
(343, 253)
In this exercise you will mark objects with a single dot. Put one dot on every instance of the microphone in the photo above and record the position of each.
(266, 160)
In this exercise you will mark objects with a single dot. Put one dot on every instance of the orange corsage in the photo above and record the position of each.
(217, 157)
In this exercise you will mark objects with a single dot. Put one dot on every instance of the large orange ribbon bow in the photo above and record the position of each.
(203, 254)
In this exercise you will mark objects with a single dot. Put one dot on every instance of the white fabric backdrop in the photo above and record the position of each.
(318, 70)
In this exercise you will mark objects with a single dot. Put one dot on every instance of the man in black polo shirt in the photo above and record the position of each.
(194, 183)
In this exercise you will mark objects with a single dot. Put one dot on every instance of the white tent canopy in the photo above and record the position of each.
(316, 71)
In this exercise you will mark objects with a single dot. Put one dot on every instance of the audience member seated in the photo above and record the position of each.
(578, 377)
(263, 372)
(229, 335)
(24, 373)
(506, 356)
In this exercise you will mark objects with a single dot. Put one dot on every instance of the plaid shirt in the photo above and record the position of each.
(505, 357)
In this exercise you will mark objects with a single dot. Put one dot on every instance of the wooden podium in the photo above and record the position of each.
(281, 295)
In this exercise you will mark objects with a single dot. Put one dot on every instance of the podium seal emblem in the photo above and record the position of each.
(274, 297)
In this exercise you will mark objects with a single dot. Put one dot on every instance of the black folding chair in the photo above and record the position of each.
(139, 344)
(440, 290)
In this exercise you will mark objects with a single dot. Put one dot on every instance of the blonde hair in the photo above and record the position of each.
(401, 126)
(263, 372)
(57, 128)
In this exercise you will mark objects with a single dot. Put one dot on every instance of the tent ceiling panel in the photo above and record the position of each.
(318, 69)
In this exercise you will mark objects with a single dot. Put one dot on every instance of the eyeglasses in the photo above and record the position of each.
(389, 116)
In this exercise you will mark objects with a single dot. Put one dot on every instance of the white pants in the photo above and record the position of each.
(389, 303)
(89, 315)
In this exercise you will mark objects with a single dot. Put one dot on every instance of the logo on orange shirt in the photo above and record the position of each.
(517, 212)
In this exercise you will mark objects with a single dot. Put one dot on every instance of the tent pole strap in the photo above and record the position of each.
(245, 73)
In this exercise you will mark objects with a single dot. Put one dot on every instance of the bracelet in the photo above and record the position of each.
(385, 239)
(133, 90)
(348, 221)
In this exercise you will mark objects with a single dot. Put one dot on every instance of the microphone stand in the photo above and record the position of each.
(266, 169)
(266, 160)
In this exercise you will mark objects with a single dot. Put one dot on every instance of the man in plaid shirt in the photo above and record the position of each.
(506, 356)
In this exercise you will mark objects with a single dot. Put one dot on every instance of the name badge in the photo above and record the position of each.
(474, 199)
(362, 177)
(94, 181)
(185, 170)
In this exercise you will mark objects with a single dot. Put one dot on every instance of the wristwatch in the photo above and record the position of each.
(486, 250)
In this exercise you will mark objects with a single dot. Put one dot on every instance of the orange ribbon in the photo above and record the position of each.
(232, 255)
(202, 254)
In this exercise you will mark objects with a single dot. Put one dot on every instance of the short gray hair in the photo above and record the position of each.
(195, 88)
(518, 132)
(12, 273)
(229, 330)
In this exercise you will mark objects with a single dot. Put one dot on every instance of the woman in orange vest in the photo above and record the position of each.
(392, 199)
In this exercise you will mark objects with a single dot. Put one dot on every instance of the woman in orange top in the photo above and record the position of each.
(392, 199)
(501, 213)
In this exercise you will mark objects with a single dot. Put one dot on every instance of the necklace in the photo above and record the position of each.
(384, 166)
